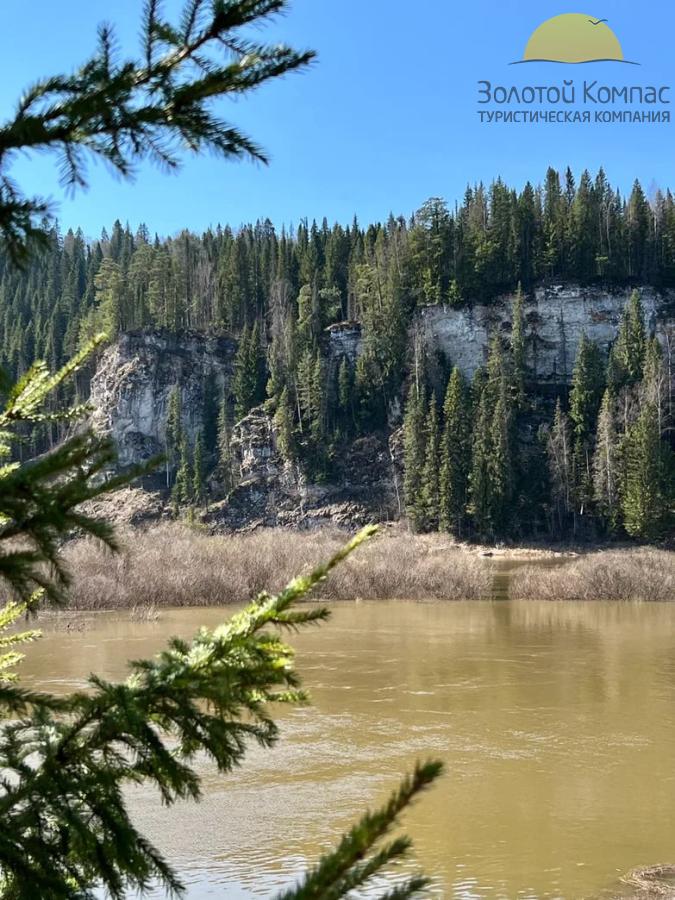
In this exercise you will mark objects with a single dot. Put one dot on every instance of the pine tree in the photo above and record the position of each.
(606, 471)
(429, 485)
(455, 455)
(647, 491)
(501, 464)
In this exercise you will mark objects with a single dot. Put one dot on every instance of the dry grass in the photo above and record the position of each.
(608, 575)
(172, 565)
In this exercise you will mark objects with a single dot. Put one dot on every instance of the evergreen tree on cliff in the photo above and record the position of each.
(455, 455)
(414, 448)
(587, 388)
(606, 469)
(647, 494)
(429, 488)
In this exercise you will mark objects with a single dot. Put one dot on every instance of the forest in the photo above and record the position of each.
(486, 459)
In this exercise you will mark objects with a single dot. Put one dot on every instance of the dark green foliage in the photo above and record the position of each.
(225, 458)
(631, 343)
(561, 469)
(199, 471)
(181, 493)
(248, 385)
(430, 498)
(606, 470)
(518, 348)
(455, 455)
(283, 419)
(414, 449)
(173, 432)
(588, 382)
(648, 491)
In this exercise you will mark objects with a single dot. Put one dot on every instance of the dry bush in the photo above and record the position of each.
(609, 575)
(172, 565)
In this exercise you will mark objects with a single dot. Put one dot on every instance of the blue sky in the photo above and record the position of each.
(385, 118)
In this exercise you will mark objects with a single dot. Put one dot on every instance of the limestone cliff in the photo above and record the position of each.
(555, 319)
(131, 387)
(133, 382)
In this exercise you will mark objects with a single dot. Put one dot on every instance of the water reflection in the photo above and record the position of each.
(555, 721)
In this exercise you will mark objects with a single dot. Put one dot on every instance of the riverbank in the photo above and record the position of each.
(173, 565)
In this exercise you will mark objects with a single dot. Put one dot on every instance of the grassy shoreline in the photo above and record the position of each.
(172, 565)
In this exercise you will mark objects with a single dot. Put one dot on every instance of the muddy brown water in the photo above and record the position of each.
(556, 722)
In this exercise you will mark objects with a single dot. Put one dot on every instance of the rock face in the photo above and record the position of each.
(274, 493)
(555, 319)
(134, 379)
(131, 388)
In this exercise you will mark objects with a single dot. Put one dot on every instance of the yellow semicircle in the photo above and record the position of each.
(573, 38)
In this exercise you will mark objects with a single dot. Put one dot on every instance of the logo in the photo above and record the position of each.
(574, 38)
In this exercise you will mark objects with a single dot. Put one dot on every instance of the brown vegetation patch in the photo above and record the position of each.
(639, 574)
(173, 565)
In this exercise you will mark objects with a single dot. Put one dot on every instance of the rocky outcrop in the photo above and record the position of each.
(555, 319)
(132, 385)
(133, 382)
(272, 492)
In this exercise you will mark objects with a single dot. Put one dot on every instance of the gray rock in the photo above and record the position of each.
(133, 382)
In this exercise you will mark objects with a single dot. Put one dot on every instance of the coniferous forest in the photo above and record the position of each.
(486, 459)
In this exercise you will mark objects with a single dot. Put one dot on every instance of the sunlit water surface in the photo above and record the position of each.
(556, 722)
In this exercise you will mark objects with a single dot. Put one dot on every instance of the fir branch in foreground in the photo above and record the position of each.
(64, 764)
(356, 861)
(155, 107)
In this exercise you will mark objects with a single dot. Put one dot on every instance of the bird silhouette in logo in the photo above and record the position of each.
(598, 21)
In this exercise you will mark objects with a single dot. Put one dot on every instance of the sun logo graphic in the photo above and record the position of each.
(574, 38)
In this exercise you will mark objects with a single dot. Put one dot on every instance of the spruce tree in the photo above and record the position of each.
(455, 455)
(345, 390)
(198, 471)
(501, 469)
(173, 432)
(518, 347)
(429, 486)
(648, 487)
(284, 424)
(481, 446)
(585, 395)
(606, 470)
(225, 459)
(181, 493)
(414, 447)
(631, 341)
(561, 468)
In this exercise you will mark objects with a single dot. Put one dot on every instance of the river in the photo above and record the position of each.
(555, 721)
